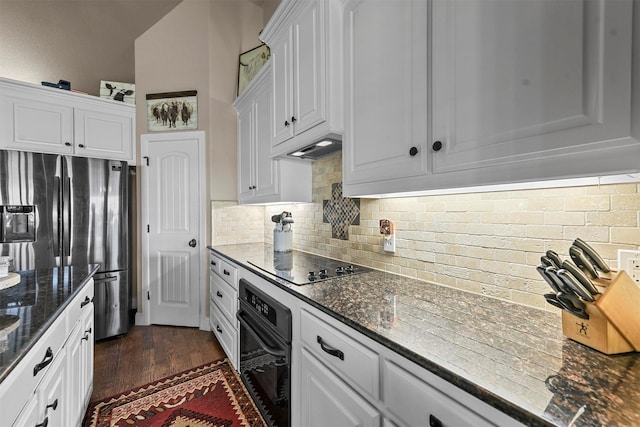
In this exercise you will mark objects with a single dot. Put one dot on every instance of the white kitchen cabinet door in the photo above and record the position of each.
(298, 77)
(385, 91)
(75, 372)
(282, 84)
(327, 401)
(30, 414)
(245, 151)
(104, 134)
(542, 86)
(414, 402)
(79, 373)
(266, 171)
(261, 178)
(52, 392)
(87, 352)
(257, 172)
(34, 121)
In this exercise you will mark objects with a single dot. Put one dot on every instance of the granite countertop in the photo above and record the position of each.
(37, 301)
(512, 357)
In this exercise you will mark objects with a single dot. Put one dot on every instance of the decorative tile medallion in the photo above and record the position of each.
(340, 212)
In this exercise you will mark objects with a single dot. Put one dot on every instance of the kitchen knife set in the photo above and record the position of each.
(571, 280)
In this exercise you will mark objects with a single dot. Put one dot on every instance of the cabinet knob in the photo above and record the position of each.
(293, 119)
(68, 144)
(81, 145)
(218, 328)
(413, 151)
(286, 123)
(437, 146)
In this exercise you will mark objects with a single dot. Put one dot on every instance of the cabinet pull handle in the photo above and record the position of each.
(434, 422)
(85, 337)
(219, 294)
(330, 350)
(226, 273)
(48, 357)
(68, 144)
(87, 331)
(81, 145)
(85, 302)
(213, 263)
(53, 405)
(218, 328)
(437, 146)
(293, 119)
(286, 123)
(413, 151)
(45, 423)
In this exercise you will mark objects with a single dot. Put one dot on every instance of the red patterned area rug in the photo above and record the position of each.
(211, 395)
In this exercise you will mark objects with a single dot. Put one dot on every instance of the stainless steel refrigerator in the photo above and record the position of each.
(65, 211)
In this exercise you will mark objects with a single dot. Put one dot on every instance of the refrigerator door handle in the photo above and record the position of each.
(55, 220)
(67, 220)
(106, 279)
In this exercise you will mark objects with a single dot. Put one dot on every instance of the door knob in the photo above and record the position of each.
(192, 243)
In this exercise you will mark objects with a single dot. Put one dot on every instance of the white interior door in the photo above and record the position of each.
(172, 172)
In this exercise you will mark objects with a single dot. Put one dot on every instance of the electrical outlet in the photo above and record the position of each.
(629, 261)
(389, 243)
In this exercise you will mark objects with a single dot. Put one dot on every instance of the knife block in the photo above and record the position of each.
(613, 326)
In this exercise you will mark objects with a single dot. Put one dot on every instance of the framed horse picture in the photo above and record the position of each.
(172, 111)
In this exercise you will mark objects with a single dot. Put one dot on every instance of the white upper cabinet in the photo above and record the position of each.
(42, 119)
(518, 91)
(262, 179)
(516, 81)
(385, 90)
(305, 38)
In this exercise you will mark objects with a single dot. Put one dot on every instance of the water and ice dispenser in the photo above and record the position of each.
(17, 223)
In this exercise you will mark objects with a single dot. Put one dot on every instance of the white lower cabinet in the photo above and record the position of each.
(328, 401)
(347, 379)
(414, 402)
(223, 304)
(45, 407)
(52, 384)
(80, 367)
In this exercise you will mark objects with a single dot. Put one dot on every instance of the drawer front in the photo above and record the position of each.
(344, 355)
(413, 401)
(227, 335)
(79, 305)
(225, 297)
(21, 383)
(229, 273)
(214, 263)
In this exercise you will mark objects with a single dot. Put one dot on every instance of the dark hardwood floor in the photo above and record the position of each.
(149, 353)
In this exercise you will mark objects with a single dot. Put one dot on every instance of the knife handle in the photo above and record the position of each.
(582, 278)
(591, 253)
(553, 256)
(573, 283)
(581, 260)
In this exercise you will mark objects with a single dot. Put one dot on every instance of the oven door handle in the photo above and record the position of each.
(261, 334)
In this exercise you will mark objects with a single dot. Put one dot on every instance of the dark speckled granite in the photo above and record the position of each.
(38, 300)
(510, 356)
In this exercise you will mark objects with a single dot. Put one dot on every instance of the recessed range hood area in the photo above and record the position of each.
(317, 150)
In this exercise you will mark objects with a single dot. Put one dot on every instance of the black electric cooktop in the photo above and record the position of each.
(302, 268)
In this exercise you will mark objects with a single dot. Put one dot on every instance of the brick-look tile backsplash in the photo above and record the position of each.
(488, 243)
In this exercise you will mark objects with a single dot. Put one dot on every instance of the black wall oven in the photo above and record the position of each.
(265, 353)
